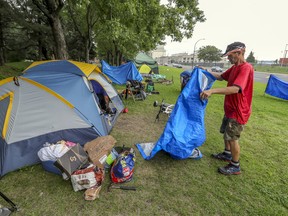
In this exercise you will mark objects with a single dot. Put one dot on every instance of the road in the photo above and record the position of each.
(261, 77)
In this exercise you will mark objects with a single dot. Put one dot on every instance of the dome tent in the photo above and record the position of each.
(142, 58)
(51, 101)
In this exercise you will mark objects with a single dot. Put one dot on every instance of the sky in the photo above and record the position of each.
(261, 25)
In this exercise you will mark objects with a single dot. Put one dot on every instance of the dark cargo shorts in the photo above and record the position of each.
(231, 129)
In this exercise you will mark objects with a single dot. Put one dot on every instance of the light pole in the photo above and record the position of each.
(194, 51)
(284, 56)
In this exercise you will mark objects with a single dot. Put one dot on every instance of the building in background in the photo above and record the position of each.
(283, 61)
(158, 52)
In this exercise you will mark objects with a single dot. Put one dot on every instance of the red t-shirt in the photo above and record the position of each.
(239, 106)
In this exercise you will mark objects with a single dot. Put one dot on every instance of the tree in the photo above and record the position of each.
(180, 18)
(116, 29)
(251, 58)
(30, 36)
(84, 16)
(51, 9)
(128, 28)
(134, 26)
(5, 22)
(209, 54)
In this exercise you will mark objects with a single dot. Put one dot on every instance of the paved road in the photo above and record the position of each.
(263, 77)
(258, 76)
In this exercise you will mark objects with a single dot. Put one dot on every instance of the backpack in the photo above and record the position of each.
(122, 169)
(150, 86)
(185, 81)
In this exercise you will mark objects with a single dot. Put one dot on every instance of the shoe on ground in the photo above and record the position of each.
(222, 156)
(230, 170)
(196, 154)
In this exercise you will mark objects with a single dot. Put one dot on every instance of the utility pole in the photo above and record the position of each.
(194, 51)
(284, 55)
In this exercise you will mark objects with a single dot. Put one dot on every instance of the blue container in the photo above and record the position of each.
(50, 167)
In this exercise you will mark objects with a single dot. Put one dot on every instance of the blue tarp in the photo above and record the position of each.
(120, 74)
(277, 87)
(185, 129)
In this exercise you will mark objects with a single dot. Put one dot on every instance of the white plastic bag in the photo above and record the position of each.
(52, 152)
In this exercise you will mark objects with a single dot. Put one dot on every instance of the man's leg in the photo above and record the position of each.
(227, 145)
(233, 168)
(235, 150)
(232, 135)
(226, 154)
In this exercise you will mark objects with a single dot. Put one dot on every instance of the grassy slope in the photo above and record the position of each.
(13, 69)
(176, 187)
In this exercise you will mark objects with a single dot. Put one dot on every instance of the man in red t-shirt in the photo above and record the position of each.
(237, 104)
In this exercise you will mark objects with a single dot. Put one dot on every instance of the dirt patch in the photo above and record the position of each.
(138, 128)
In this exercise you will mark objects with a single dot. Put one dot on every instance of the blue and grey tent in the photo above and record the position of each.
(277, 87)
(120, 74)
(185, 129)
(51, 101)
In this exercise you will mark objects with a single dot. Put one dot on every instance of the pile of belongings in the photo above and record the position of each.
(83, 165)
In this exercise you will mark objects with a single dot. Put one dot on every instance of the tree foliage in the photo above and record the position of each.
(36, 37)
(180, 18)
(51, 10)
(128, 28)
(251, 58)
(110, 29)
(82, 17)
(4, 23)
(209, 54)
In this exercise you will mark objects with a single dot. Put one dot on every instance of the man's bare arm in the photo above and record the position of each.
(225, 91)
(216, 75)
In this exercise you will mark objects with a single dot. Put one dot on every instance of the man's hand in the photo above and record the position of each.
(205, 94)
(202, 67)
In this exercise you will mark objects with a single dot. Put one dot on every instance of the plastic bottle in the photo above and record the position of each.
(110, 159)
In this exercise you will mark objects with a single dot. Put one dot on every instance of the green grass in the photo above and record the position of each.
(13, 69)
(271, 69)
(176, 187)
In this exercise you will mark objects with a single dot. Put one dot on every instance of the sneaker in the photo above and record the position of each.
(196, 154)
(222, 156)
(230, 170)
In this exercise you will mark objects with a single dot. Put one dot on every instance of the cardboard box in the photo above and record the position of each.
(99, 148)
(72, 160)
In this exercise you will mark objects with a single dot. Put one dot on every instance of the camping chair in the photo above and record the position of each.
(135, 89)
(7, 211)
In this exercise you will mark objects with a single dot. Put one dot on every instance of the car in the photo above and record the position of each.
(177, 65)
(216, 69)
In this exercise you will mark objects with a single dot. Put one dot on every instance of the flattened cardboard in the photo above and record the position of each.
(99, 148)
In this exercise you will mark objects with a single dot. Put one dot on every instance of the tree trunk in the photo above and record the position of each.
(51, 9)
(2, 59)
(87, 50)
(58, 35)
